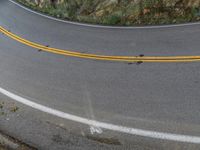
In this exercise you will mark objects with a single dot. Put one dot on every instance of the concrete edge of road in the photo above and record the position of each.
(10, 143)
(103, 26)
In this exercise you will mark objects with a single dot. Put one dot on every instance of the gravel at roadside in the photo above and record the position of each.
(9, 143)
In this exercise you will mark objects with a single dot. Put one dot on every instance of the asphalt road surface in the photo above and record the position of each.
(160, 97)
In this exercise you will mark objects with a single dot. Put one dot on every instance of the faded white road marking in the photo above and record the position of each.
(103, 125)
(94, 129)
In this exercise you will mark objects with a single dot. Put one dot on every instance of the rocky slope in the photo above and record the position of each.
(121, 12)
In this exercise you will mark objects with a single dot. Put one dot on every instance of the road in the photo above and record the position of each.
(160, 97)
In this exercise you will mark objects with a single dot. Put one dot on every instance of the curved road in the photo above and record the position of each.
(161, 97)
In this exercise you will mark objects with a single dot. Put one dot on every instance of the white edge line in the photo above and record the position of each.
(105, 27)
(103, 125)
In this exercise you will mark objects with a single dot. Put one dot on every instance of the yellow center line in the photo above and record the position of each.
(100, 57)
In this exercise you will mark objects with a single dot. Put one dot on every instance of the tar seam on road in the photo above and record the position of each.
(103, 125)
(102, 26)
(100, 57)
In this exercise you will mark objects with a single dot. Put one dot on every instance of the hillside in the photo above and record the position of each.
(120, 12)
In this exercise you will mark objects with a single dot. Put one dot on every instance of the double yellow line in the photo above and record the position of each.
(100, 57)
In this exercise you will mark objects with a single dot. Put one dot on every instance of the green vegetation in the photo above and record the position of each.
(120, 12)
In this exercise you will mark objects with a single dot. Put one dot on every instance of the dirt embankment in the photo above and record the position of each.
(120, 12)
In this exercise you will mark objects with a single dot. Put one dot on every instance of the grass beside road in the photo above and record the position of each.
(145, 13)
